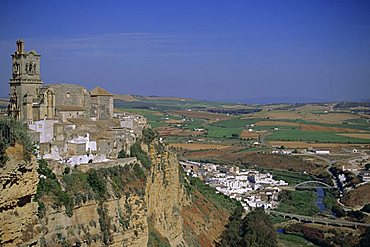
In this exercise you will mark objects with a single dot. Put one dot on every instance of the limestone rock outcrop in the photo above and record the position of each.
(18, 212)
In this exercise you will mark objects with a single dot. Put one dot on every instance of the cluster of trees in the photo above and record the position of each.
(11, 132)
(255, 229)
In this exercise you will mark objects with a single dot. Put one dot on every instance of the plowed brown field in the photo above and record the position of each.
(362, 136)
(313, 127)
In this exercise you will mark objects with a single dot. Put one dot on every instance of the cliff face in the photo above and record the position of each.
(19, 222)
(135, 208)
(165, 196)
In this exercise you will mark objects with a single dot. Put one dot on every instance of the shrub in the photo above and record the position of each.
(136, 151)
(255, 229)
(122, 154)
(3, 156)
(66, 170)
(148, 135)
(366, 208)
(97, 183)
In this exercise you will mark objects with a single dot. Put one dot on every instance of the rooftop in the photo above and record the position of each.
(98, 91)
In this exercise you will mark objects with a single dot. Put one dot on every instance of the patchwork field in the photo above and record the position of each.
(295, 126)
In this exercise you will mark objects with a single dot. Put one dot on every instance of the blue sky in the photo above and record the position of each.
(215, 50)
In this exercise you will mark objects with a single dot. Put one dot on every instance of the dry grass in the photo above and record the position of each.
(333, 118)
(248, 134)
(198, 146)
(204, 221)
(277, 115)
(15, 152)
(358, 197)
(173, 121)
(276, 123)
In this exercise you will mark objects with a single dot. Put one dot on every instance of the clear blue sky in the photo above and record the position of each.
(218, 50)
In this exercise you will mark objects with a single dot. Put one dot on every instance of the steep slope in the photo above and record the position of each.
(151, 203)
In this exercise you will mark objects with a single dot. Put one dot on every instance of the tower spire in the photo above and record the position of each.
(20, 46)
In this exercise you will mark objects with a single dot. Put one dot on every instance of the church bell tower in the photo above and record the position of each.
(25, 83)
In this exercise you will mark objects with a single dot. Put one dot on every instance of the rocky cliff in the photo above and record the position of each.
(130, 205)
(19, 179)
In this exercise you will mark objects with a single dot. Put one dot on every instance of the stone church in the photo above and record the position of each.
(31, 100)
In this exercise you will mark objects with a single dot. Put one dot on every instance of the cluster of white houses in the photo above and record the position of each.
(70, 124)
(252, 188)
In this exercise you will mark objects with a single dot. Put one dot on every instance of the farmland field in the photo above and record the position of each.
(313, 136)
(298, 126)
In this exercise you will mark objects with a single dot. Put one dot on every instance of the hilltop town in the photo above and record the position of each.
(69, 123)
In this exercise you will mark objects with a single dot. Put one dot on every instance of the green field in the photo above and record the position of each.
(158, 110)
(298, 202)
(221, 132)
(313, 136)
(353, 123)
(288, 240)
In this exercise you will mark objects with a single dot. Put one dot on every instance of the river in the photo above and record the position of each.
(320, 199)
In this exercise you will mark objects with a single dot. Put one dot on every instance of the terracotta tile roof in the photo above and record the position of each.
(98, 91)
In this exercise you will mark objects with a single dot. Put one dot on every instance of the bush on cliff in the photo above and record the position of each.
(13, 131)
(255, 229)
(148, 135)
(140, 154)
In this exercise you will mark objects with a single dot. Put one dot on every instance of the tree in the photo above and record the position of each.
(366, 208)
(122, 154)
(3, 156)
(257, 230)
(367, 166)
(254, 230)
(67, 170)
(365, 240)
(148, 135)
(231, 236)
(338, 211)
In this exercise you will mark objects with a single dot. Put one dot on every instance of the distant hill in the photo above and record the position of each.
(4, 101)
(125, 97)
(129, 97)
